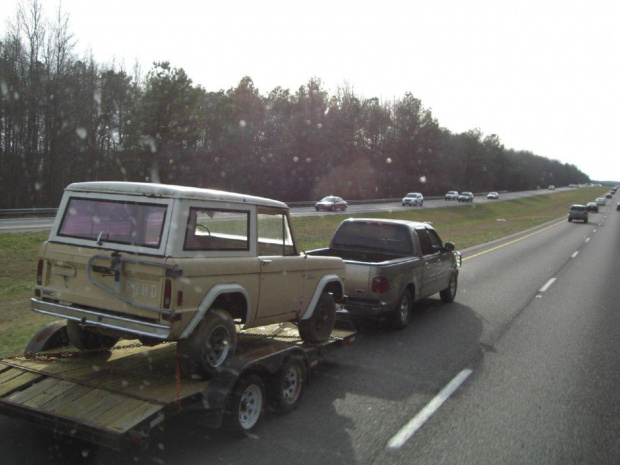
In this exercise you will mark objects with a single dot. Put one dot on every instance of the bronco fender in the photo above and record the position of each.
(208, 300)
(330, 280)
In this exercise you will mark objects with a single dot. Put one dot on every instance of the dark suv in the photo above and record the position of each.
(578, 212)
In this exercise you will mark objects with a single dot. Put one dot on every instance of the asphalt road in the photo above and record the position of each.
(533, 336)
(13, 225)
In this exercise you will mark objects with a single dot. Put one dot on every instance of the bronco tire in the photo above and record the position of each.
(449, 293)
(85, 339)
(212, 342)
(319, 326)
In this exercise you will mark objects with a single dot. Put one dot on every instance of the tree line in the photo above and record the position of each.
(66, 118)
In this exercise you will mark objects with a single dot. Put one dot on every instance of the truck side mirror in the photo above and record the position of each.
(449, 246)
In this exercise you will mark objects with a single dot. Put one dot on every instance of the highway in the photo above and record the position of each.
(523, 367)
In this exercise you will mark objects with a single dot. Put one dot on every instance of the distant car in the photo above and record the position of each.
(618, 207)
(609, 195)
(331, 203)
(592, 207)
(578, 213)
(452, 195)
(466, 197)
(413, 198)
(493, 195)
(551, 187)
(601, 202)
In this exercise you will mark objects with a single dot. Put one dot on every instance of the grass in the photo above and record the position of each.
(465, 225)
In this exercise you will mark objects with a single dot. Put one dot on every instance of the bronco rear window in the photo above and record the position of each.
(113, 221)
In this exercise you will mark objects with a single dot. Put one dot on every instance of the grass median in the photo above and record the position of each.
(465, 225)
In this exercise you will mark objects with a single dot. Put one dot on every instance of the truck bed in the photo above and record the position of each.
(115, 398)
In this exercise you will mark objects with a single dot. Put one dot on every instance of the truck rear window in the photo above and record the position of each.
(112, 221)
(375, 236)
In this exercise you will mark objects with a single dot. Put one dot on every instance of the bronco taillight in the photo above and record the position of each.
(167, 294)
(380, 285)
(40, 267)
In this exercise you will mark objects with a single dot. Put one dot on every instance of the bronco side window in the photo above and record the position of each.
(274, 234)
(217, 229)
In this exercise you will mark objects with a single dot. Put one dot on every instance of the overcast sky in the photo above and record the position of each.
(543, 75)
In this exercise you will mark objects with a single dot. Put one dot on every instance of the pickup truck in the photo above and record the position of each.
(391, 264)
(163, 263)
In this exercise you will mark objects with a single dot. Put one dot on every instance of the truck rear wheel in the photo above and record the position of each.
(85, 339)
(285, 387)
(319, 326)
(245, 405)
(400, 318)
(212, 342)
(449, 293)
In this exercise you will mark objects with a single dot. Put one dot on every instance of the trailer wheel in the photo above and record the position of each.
(245, 405)
(400, 318)
(319, 326)
(85, 339)
(285, 387)
(209, 345)
(449, 293)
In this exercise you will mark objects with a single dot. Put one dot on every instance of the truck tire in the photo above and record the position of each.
(402, 314)
(245, 405)
(286, 386)
(449, 293)
(319, 326)
(212, 342)
(85, 339)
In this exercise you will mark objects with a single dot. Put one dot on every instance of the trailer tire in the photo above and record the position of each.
(319, 326)
(449, 293)
(212, 342)
(84, 339)
(400, 318)
(285, 387)
(244, 407)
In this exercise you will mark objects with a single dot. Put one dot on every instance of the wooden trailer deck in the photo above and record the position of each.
(115, 398)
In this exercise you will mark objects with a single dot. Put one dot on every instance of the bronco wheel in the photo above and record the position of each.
(209, 345)
(400, 318)
(245, 405)
(449, 293)
(319, 326)
(285, 387)
(85, 339)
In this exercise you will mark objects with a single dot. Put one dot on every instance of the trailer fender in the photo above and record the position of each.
(323, 284)
(207, 302)
(52, 336)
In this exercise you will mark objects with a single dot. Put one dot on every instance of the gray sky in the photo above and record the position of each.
(541, 74)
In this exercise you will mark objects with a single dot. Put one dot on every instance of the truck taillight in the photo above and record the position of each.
(40, 267)
(380, 285)
(167, 294)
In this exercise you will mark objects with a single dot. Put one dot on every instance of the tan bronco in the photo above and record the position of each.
(170, 263)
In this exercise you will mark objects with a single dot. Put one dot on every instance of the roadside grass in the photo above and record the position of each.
(465, 225)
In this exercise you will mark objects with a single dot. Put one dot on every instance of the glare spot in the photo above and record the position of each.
(223, 174)
(37, 186)
(171, 161)
(81, 133)
(295, 159)
(308, 122)
(308, 160)
(319, 126)
(422, 179)
(388, 160)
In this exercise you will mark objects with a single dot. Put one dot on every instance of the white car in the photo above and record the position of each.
(493, 195)
(413, 199)
(601, 201)
(452, 195)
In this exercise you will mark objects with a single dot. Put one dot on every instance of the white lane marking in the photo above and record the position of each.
(547, 285)
(574, 254)
(416, 422)
(587, 240)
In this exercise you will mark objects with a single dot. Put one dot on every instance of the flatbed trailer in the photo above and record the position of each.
(115, 398)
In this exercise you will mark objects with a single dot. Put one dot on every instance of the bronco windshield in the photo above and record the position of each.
(113, 221)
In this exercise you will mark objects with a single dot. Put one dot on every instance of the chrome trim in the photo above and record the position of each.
(102, 320)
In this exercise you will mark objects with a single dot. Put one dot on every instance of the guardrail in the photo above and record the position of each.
(25, 212)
